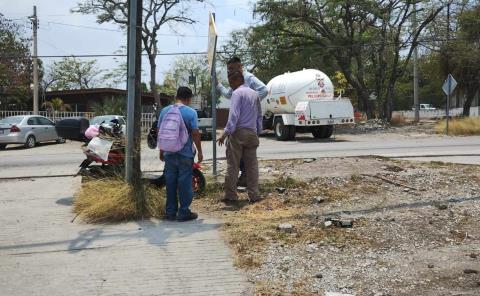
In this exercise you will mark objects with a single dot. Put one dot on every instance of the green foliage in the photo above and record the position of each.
(109, 106)
(15, 66)
(340, 82)
(464, 53)
(56, 104)
(72, 73)
(368, 41)
(169, 85)
(180, 72)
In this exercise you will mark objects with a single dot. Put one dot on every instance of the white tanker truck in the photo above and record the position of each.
(304, 101)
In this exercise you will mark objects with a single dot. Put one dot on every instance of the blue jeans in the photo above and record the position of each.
(178, 178)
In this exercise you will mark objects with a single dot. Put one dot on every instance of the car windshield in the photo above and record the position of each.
(12, 120)
(101, 119)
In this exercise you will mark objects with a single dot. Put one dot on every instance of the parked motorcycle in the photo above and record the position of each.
(105, 152)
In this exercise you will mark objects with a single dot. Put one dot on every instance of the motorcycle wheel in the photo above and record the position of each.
(151, 141)
(198, 182)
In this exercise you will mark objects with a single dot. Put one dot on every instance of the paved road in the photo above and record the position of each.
(43, 253)
(63, 159)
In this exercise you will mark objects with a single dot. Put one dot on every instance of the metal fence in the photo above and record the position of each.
(147, 119)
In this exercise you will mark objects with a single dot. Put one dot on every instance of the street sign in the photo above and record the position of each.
(212, 41)
(449, 85)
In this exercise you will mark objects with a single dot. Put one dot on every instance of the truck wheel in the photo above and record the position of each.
(317, 132)
(282, 132)
(322, 132)
(327, 131)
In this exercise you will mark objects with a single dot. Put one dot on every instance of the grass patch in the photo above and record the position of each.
(113, 200)
(460, 127)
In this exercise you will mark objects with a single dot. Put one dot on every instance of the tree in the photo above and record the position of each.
(367, 39)
(116, 105)
(184, 67)
(56, 104)
(464, 53)
(268, 53)
(71, 73)
(15, 66)
(156, 14)
(169, 86)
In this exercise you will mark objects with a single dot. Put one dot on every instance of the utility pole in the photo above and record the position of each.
(134, 59)
(34, 21)
(447, 107)
(416, 103)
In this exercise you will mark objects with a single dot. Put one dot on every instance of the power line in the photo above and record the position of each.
(118, 30)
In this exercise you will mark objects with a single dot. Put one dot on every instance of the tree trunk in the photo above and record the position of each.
(388, 105)
(468, 102)
(153, 79)
(366, 104)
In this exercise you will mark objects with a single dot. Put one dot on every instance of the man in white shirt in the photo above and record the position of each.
(233, 65)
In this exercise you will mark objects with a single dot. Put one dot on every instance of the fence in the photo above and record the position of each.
(432, 114)
(147, 119)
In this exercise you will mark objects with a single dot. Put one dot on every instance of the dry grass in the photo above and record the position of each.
(113, 200)
(250, 228)
(460, 127)
(398, 119)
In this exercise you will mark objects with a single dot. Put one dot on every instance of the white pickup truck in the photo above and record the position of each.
(204, 125)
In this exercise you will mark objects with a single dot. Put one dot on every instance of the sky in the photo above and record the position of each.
(63, 33)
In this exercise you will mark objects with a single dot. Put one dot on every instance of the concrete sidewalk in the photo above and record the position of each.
(43, 253)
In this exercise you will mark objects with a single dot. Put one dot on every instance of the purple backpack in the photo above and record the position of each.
(172, 134)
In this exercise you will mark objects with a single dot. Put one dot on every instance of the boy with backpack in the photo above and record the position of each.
(177, 131)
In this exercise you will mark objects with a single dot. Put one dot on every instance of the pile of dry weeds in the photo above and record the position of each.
(113, 200)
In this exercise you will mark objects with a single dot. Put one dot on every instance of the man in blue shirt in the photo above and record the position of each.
(179, 165)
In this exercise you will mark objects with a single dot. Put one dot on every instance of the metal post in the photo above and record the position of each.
(132, 158)
(34, 21)
(415, 70)
(447, 107)
(214, 120)
(214, 114)
(447, 111)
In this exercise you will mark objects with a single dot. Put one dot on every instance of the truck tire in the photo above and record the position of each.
(322, 132)
(283, 132)
(327, 131)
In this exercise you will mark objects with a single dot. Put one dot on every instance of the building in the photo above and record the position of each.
(84, 100)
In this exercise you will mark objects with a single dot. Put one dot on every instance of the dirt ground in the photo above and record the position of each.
(415, 227)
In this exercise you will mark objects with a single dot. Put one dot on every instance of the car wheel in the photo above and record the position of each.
(30, 143)
(3, 146)
(60, 140)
